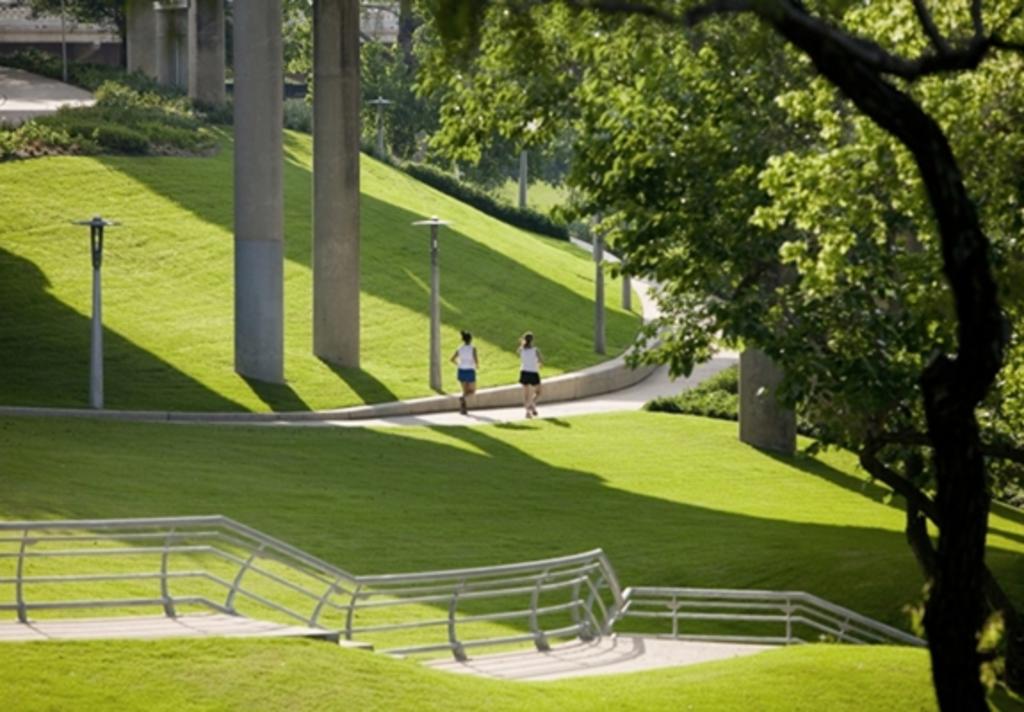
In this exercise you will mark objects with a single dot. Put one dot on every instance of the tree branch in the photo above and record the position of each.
(698, 14)
(920, 542)
(916, 499)
(870, 54)
(928, 25)
(625, 7)
(979, 27)
(1001, 451)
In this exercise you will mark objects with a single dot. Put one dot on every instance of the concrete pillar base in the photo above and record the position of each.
(259, 309)
(763, 422)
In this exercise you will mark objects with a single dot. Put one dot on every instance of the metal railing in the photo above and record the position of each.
(216, 563)
(231, 563)
(771, 617)
(179, 564)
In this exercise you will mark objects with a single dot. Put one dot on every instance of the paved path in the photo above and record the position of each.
(152, 627)
(604, 656)
(24, 96)
(629, 399)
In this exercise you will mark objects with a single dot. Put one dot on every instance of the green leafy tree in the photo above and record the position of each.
(805, 196)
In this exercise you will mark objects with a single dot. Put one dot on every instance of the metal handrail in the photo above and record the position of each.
(522, 592)
(568, 596)
(792, 609)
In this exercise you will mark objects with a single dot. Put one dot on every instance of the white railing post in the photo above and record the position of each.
(229, 602)
(19, 584)
(539, 639)
(165, 593)
(323, 601)
(453, 639)
(351, 612)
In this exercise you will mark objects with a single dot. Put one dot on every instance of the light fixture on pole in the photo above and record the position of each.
(435, 302)
(627, 290)
(599, 346)
(63, 46)
(380, 102)
(96, 226)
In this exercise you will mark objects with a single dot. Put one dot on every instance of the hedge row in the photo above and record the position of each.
(446, 183)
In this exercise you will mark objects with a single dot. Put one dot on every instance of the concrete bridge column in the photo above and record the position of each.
(259, 196)
(763, 422)
(336, 181)
(172, 43)
(140, 27)
(206, 51)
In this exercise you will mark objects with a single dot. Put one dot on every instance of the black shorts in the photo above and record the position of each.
(529, 378)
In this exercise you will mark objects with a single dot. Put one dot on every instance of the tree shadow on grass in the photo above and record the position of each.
(866, 488)
(44, 354)
(395, 259)
(1014, 514)
(368, 388)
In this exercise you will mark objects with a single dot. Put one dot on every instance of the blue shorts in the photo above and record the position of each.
(467, 375)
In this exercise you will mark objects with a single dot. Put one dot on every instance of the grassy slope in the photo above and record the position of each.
(692, 506)
(541, 197)
(168, 287)
(261, 675)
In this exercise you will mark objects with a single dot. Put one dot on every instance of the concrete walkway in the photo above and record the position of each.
(24, 96)
(154, 627)
(628, 399)
(604, 656)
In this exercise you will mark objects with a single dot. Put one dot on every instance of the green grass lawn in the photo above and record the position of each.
(542, 197)
(168, 287)
(674, 500)
(299, 675)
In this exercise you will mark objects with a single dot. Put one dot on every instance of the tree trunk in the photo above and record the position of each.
(952, 388)
(406, 26)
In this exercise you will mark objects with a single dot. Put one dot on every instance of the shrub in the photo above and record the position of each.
(526, 219)
(120, 139)
(163, 138)
(32, 139)
(717, 397)
(298, 115)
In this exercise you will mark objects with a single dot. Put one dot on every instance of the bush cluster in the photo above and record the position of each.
(33, 140)
(298, 115)
(717, 397)
(125, 119)
(526, 219)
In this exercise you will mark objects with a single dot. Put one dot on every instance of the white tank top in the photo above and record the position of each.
(528, 357)
(466, 360)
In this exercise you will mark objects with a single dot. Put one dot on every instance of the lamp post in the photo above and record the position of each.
(627, 293)
(63, 46)
(380, 102)
(435, 302)
(96, 226)
(599, 293)
(523, 177)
